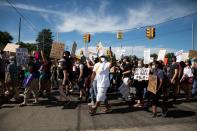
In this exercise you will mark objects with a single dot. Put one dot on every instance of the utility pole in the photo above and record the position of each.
(19, 31)
(43, 41)
(57, 36)
(193, 48)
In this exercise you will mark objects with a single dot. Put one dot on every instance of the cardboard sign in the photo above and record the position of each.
(141, 74)
(57, 50)
(147, 56)
(11, 47)
(74, 47)
(152, 84)
(161, 55)
(21, 56)
(193, 53)
(179, 56)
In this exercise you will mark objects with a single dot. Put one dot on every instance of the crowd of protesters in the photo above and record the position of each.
(94, 78)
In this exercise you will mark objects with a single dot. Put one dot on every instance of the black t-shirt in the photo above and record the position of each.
(172, 70)
(127, 67)
(68, 64)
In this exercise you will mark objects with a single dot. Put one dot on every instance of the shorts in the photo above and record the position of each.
(101, 94)
(81, 83)
(2, 76)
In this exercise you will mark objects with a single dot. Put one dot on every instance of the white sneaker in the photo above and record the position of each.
(91, 103)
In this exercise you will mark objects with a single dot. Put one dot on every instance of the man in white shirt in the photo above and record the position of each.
(101, 71)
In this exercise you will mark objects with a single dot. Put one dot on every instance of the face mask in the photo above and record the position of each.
(102, 59)
(139, 65)
(153, 66)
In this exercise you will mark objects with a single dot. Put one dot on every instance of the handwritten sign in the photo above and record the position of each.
(11, 47)
(21, 56)
(147, 56)
(179, 56)
(193, 53)
(141, 74)
(152, 84)
(57, 50)
(161, 55)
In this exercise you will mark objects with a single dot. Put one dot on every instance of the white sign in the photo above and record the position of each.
(141, 74)
(21, 56)
(161, 55)
(179, 56)
(147, 56)
(185, 56)
(11, 47)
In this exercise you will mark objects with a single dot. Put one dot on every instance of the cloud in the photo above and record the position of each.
(100, 20)
(33, 8)
(97, 22)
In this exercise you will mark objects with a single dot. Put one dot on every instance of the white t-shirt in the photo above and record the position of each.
(188, 72)
(102, 74)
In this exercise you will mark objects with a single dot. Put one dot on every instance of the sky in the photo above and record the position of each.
(172, 20)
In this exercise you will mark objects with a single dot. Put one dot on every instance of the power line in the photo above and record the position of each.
(137, 28)
(23, 16)
(158, 36)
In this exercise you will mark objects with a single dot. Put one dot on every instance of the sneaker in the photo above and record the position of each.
(22, 104)
(91, 103)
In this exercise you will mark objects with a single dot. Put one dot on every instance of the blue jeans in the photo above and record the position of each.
(194, 86)
(93, 90)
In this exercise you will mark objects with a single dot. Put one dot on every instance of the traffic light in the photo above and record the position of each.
(119, 35)
(150, 32)
(86, 38)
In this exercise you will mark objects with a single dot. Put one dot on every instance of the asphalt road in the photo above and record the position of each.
(51, 116)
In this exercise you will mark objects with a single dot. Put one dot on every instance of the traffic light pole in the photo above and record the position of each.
(19, 31)
(193, 48)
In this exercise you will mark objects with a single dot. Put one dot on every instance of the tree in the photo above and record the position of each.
(45, 40)
(30, 46)
(169, 55)
(154, 55)
(5, 38)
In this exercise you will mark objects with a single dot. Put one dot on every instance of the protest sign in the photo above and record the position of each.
(141, 74)
(147, 56)
(11, 47)
(152, 84)
(57, 50)
(193, 53)
(74, 47)
(21, 56)
(179, 56)
(161, 55)
(185, 56)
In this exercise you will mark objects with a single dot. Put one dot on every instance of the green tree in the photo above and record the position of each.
(5, 38)
(154, 55)
(44, 41)
(30, 46)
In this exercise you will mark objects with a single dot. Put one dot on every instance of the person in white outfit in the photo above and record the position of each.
(101, 71)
